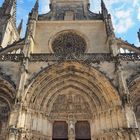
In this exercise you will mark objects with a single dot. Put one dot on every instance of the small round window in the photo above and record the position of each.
(69, 43)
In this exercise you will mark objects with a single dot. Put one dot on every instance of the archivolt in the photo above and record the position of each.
(7, 92)
(134, 89)
(56, 79)
(7, 97)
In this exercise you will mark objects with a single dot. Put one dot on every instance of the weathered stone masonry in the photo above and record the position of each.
(70, 77)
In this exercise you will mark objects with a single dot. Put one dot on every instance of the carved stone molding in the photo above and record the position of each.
(82, 57)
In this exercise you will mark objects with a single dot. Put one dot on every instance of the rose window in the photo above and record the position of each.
(69, 43)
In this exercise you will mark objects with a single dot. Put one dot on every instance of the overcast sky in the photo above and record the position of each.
(125, 15)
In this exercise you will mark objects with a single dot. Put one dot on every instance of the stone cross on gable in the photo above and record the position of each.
(139, 35)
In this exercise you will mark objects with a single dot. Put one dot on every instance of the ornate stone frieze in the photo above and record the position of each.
(129, 57)
(82, 57)
(11, 57)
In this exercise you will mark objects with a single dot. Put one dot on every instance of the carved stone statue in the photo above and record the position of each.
(70, 104)
(71, 128)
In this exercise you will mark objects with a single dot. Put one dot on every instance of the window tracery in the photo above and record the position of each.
(69, 43)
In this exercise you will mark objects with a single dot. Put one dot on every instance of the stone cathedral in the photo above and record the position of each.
(69, 78)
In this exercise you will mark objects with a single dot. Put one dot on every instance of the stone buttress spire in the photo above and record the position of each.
(20, 27)
(31, 27)
(8, 30)
(104, 10)
(9, 9)
(109, 29)
(139, 35)
(107, 18)
(27, 50)
(34, 12)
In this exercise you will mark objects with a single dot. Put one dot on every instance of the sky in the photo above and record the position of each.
(125, 15)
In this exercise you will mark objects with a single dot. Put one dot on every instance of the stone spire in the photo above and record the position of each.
(9, 9)
(107, 19)
(8, 33)
(139, 35)
(20, 27)
(104, 10)
(34, 12)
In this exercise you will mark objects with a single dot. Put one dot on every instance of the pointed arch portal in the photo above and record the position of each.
(71, 77)
(77, 94)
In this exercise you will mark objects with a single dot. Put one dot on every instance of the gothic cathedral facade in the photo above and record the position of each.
(69, 78)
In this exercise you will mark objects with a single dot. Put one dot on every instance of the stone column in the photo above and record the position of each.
(49, 129)
(13, 133)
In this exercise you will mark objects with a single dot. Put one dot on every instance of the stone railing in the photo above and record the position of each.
(11, 57)
(83, 58)
(129, 57)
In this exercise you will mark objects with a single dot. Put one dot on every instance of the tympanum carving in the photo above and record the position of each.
(70, 104)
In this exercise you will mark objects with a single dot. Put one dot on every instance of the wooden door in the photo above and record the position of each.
(82, 130)
(60, 131)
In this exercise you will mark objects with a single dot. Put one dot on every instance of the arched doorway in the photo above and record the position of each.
(82, 130)
(60, 130)
(74, 93)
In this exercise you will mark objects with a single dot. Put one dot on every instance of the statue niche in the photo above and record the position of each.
(70, 104)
